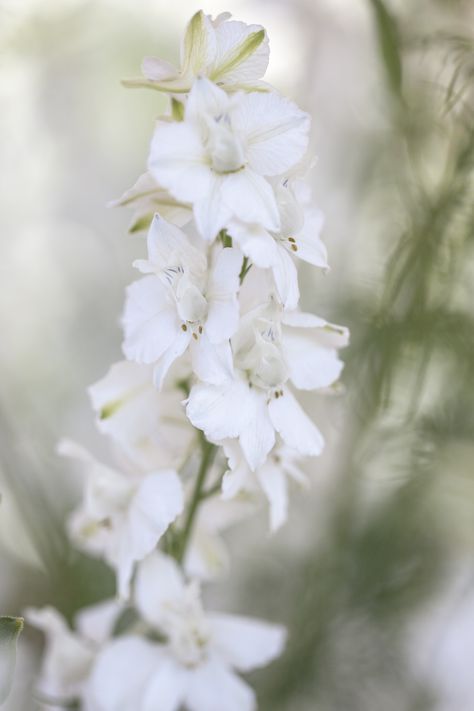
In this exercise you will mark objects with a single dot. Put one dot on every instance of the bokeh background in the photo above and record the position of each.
(374, 573)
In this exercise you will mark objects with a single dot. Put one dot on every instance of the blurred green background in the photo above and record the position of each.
(374, 572)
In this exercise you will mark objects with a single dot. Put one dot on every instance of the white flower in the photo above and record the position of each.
(271, 348)
(69, 655)
(189, 299)
(122, 517)
(230, 53)
(218, 156)
(271, 478)
(207, 556)
(146, 197)
(196, 666)
(298, 236)
(150, 427)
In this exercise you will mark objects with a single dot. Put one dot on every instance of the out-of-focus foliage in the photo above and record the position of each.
(10, 629)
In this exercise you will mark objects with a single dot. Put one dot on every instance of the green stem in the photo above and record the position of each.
(208, 453)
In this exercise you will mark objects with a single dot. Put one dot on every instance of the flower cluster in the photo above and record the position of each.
(202, 416)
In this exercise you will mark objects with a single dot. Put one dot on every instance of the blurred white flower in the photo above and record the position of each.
(271, 478)
(148, 426)
(217, 157)
(122, 517)
(196, 665)
(69, 655)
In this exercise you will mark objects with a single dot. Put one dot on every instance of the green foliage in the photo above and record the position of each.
(388, 39)
(10, 629)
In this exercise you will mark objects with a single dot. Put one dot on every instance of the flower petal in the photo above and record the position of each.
(258, 436)
(221, 411)
(159, 581)
(242, 53)
(285, 275)
(178, 160)
(211, 213)
(213, 687)
(246, 643)
(121, 673)
(273, 481)
(166, 689)
(176, 350)
(276, 131)
(255, 242)
(211, 363)
(223, 308)
(294, 425)
(149, 320)
(249, 196)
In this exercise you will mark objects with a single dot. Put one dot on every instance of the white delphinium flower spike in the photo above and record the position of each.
(271, 349)
(122, 517)
(271, 478)
(189, 299)
(219, 156)
(298, 236)
(149, 427)
(196, 667)
(230, 53)
(69, 654)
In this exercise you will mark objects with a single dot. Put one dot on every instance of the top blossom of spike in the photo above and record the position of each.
(230, 53)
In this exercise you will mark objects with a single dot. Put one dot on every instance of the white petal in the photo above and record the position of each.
(213, 687)
(223, 308)
(170, 246)
(285, 275)
(156, 69)
(310, 247)
(249, 196)
(310, 365)
(166, 689)
(174, 352)
(230, 65)
(211, 363)
(121, 673)
(157, 503)
(258, 436)
(273, 481)
(221, 411)
(246, 643)
(178, 161)
(207, 556)
(198, 49)
(211, 213)
(67, 660)
(294, 425)
(150, 321)
(276, 131)
(206, 98)
(255, 242)
(159, 581)
(239, 476)
(96, 623)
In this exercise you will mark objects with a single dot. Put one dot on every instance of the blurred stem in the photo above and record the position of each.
(208, 453)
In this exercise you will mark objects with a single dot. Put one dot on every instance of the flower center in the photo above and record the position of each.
(225, 148)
